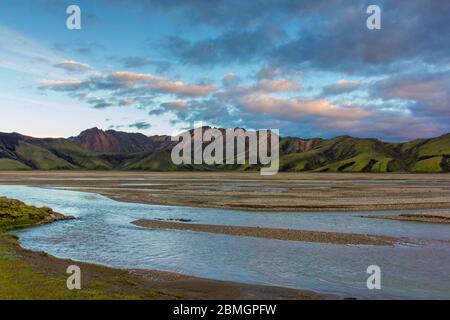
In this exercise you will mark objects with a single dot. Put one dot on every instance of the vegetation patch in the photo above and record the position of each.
(16, 214)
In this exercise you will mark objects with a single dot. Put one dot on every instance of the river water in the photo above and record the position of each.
(102, 234)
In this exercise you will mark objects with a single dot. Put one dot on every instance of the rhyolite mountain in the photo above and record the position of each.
(95, 149)
(112, 141)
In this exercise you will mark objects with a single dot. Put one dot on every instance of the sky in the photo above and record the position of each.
(307, 68)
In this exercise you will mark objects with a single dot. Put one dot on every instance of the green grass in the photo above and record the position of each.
(158, 161)
(428, 165)
(10, 164)
(301, 161)
(342, 154)
(82, 157)
(436, 147)
(15, 214)
(19, 280)
(41, 158)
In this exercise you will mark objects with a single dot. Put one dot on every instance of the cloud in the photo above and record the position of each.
(278, 85)
(385, 125)
(231, 13)
(102, 105)
(175, 105)
(298, 108)
(268, 72)
(96, 102)
(140, 125)
(341, 86)
(321, 34)
(80, 47)
(230, 79)
(73, 66)
(63, 85)
(149, 83)
(127, 102)
(125, 88)
(124, 78)
(134, 62)
(428, 93)
(229, 47)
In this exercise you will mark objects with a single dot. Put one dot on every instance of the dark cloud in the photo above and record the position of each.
(427, 93)
(232, 13)
(341, 87)
(340, 41)
(80, 47)
(268, 72)
(140, 125)
(230, 47)
(330, 35)
(134, 62)
(98, 103)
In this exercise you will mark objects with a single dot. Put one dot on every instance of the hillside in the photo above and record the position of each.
(95, 149)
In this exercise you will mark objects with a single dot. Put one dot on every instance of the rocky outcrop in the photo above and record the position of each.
(306, 145)
(112, 141)
(55, 216)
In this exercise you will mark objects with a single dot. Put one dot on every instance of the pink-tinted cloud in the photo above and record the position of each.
(128, 78)
(278, 85)
(73, 66)
(160, 84)
(298, 108)
(429, 92)
(180, 88)
(62, 85)
(341, 86)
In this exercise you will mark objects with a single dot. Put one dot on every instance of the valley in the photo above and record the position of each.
(95, 149)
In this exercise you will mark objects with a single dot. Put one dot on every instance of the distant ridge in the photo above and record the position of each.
(95, 149)
(112, 141)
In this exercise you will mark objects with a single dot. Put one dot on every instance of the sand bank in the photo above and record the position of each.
(272, 233)
(415, 217)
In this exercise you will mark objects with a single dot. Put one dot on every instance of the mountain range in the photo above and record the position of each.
(95, 149)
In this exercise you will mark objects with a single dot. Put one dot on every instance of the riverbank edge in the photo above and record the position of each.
(412, 217)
